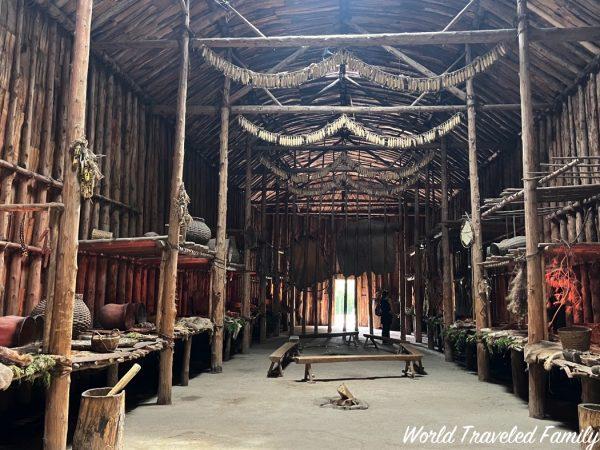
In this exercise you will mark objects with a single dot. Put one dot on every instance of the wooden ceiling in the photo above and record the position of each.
(555, 67)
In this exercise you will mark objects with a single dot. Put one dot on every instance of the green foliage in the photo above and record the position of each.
(459, 338)
(500, 345)
(40, 367)
(233, 325)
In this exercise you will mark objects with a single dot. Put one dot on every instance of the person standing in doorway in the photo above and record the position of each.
(385, 312)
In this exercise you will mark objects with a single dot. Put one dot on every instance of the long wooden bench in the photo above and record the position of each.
(386, 340)
(348, 336)
(412, 360)
(281, 357)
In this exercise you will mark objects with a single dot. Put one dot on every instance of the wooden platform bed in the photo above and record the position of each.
(412, 359)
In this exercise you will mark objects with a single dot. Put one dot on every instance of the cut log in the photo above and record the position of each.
(101, 420)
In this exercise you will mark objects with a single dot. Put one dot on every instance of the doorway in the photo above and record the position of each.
(338, 319)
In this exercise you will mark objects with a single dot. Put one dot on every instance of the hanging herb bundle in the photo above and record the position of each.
(561, 278)
(400, 142)
(368, 71)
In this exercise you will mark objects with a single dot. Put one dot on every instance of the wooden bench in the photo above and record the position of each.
(281, 357)
(347, 336)
(412, 360)
(386, 340)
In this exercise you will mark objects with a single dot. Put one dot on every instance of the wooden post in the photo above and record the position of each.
(346, 253)
(369, 274)
(418, 281)
(10, 154)
(59, 343)
(246, 294)
(333, 270)
(446, 257)
(276, 235)
(169, 277)
(402, 267)
(262, 295)
(219, 267)
(536, 313)
(479, 300)
(185, 361)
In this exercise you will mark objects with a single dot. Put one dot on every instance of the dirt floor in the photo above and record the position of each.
(242, 408)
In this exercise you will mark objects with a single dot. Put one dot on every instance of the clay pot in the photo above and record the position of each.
(16, 331)
(117, 316)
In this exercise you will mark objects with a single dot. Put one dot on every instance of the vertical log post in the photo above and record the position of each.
(276, 235)
(370, 272)
(402, 267)
(536, 330)
(262, 294)
(170, 254)
(59, 343)
(333, 270)
(219, 266)
(246, 294)
(446, 258)
(418, 278)
(479, 300)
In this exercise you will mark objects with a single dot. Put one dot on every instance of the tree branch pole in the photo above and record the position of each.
(59, 342)
(246, 294)
(171, 253)
(537, 330)
(418, 282)
(493, 36)
(219, 267)
(207, 110)
(402, 267)
(262, 275)
(479, 301)
(448, 307)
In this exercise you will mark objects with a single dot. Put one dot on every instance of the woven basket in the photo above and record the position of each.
(198, 232)
(82, 318)
(575, 338)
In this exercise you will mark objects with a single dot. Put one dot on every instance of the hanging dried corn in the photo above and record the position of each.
(399, 142)
(354, 64)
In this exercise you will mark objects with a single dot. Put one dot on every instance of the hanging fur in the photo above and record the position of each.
(517, 291)
(87, 163)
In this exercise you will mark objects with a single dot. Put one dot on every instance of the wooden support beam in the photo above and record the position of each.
(536, 311)
(418, 283)
(262, 269)
(492, 36)
(479, 295)
(246, 289)
(197, 110)
(460, 15)
(447, 284)
(402, 266)
(170, 253)
(60, 332)
(219, 266)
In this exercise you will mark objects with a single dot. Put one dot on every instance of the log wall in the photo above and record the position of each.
(129, 200)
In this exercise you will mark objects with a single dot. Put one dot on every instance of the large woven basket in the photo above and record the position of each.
(575, 338)
(82, 318)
